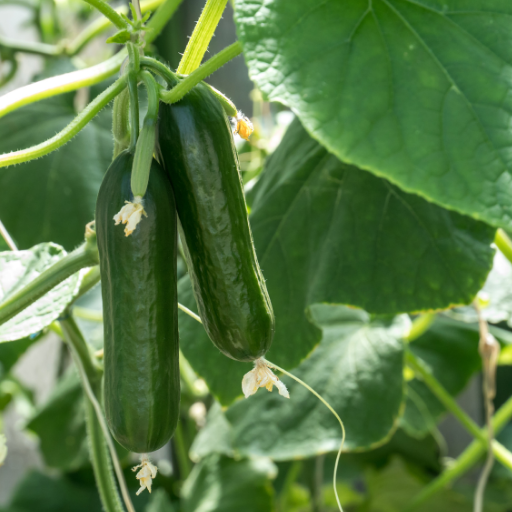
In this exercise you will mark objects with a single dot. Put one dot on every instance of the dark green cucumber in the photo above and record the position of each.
(199, 154)
(138, 281)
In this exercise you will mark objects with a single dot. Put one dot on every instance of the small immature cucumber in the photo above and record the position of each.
(138, 280)
(199, 154)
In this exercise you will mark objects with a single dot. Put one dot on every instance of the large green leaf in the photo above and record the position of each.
(53, 198)
(60, 425)
(329, 232)
(357, 368)
(450, 349)
(17, 269)
(221, 484)
(416, 91)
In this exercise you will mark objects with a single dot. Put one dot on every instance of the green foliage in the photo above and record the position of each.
(383, 195)
(46, 494)
(17, 269)
(392, 489)
(451, 351)
(218, 483)
(412, 91)
(60, 425)
(329, 232)
(357, 368)
(53, 198)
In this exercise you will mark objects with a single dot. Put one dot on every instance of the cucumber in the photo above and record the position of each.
(138, 280)
(198, 152)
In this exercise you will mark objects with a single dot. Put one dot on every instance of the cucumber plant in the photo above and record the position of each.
(360, 254)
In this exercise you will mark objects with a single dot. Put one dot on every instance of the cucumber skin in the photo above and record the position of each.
(138, 280)
(198, 152)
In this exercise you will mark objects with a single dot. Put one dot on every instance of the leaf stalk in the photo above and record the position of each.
(84, 256)
(64, 136)
(201, 36)
(211, 65)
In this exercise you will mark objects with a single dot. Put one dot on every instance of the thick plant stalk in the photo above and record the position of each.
(80, 121)
(201, 36)
(502, 240)
(108, 12)
(101, 461)
(502, 454)
(471, 455)
(85, 256)
(89, 373)
(89, 281)
(160, 69)
(61, 84)
(211, 65)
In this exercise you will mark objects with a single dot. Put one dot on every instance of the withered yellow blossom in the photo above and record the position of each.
(146, 474)
(262, 377)
(130, 214)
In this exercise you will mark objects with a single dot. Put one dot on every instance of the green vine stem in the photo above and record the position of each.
(211, 65)
(102, 24)
(84, 77)
(181, 452)
(504, 243)
(89, 281)
(80, 121)
(120, 122)
(420, 325)
(60, 84)
(471, 455)
(33, 47)
(158, 21)
(108, 12)
(101, 462)
(146, 142)
(84, 256)
(90, 376)
(201, 36)
(160, 69)
(502, 454)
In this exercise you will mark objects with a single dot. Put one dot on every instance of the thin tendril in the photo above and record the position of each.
(190, 313)
(309, 388)
(7, 237)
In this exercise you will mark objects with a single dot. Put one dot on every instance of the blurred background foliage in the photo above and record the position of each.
(262, 454)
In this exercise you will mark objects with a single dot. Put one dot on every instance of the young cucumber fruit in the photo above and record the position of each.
(138, 281)
(199, 154)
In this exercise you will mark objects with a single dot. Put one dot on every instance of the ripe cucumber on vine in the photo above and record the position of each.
(182, 164)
